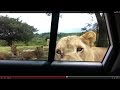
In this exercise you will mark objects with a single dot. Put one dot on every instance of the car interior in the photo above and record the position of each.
(109, 66)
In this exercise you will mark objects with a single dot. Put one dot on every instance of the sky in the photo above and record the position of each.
(70, 22)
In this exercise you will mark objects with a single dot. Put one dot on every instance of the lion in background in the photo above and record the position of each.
(79, 48)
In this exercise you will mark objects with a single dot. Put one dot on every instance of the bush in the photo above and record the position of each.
(40, 41)
(3, 43)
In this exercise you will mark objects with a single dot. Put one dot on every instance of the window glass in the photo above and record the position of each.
(24, 36)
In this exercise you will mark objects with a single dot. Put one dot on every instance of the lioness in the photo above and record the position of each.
(79, 48)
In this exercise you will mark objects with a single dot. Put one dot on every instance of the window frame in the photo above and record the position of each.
(51, 67)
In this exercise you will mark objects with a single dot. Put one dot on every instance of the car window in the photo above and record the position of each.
(24, 36)
(81, 37)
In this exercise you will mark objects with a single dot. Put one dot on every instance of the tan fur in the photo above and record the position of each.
(45, 48)
(4, 56)
(28, 55)
(36, 54)
(15, 51)
(67, 47)
(99, 53)
(39, 52)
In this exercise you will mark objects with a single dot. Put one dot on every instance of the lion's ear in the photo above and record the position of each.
(89, 38)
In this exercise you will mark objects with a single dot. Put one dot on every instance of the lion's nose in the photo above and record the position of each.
(71, 57)
(62, 55)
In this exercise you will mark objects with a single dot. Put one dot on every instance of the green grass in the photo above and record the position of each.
(27, 47)
(5, 49)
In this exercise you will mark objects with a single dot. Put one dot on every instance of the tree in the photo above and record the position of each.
(84, 28)
(102, 39)
(12, 29)
(87, 27)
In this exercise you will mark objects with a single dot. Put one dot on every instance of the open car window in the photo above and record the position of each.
(82, 37)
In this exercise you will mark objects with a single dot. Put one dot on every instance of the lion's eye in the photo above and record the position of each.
(58, 51)
(79, 49)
